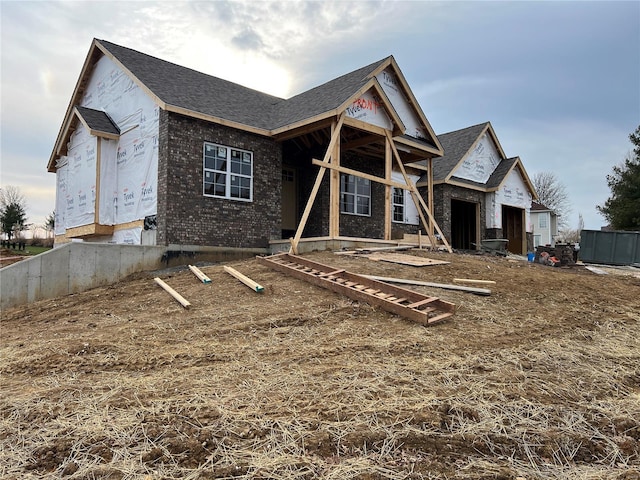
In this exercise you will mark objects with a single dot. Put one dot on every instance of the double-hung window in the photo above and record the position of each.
(228, 172)
(355, 195)
(398, 205)
(543, 220)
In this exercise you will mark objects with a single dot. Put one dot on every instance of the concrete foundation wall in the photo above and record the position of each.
(78, 266)
(73, 268)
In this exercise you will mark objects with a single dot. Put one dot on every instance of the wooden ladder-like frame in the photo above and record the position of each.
(415, 306)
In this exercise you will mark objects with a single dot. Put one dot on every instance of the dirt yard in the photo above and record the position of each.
(540, 380)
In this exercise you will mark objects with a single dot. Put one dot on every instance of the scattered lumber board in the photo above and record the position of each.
(244, 279)
(405, 259)
(173, 293)
(446, 286)
(200, 274)
(383, 249)
(470, 280)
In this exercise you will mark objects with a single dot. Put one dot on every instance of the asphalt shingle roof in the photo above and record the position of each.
(98, 120)
(501, 171)
(322, 98)
(455, 145)
(196, 91)
(539, 207)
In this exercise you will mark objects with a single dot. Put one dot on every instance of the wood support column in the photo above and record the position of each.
(417, 199)
(335, 137)
(334, 188)
(96, 213)
(430, 194)
(388, 191)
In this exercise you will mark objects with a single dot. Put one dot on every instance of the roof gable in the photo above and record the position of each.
(471, 144)
(323, 100)
(402, 98)
(374, 107)
(501, 174)
(189, 92)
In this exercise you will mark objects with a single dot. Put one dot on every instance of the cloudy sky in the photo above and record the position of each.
(559, 81)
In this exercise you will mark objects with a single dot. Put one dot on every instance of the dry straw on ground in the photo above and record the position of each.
(539, 380)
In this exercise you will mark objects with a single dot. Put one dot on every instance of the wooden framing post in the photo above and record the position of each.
(417, 199)
(388, 191)
(334, 189)
(96, 213)
(335, 136)
(430, 194)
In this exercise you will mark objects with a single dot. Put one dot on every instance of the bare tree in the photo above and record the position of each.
(11, 194)
(573, 236)
(553, 194)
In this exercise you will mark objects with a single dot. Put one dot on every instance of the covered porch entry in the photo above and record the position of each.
(338, 183)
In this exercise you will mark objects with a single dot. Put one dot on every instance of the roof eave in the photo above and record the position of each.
(280, 132)
(93, 131)
(418, 146)
(218, 120)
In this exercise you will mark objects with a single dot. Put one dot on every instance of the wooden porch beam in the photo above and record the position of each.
(360, 142)
(366, 127)
(357, 173)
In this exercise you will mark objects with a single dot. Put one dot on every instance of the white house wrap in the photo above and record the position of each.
(128, 172)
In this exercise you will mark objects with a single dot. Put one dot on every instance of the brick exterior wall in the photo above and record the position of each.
(185, 216)
(359, 225)
(442, 196)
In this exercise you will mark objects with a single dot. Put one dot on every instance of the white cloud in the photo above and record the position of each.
(525, 66)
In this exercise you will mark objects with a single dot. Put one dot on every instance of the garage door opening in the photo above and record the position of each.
(513, 229)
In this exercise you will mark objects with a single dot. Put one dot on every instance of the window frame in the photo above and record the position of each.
(542, 219)
(230, 173)
(395, 206)
(355, 195)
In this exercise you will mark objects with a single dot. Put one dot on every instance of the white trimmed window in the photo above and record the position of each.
(355, 195)
(228, 172)
(398, 205)
(542, 219)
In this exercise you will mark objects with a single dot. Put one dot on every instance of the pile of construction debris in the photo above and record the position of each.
(559, 255)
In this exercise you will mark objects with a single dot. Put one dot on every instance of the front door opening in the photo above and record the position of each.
(464, 221)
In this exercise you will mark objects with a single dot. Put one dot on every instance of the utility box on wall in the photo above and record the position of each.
(611, 248)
